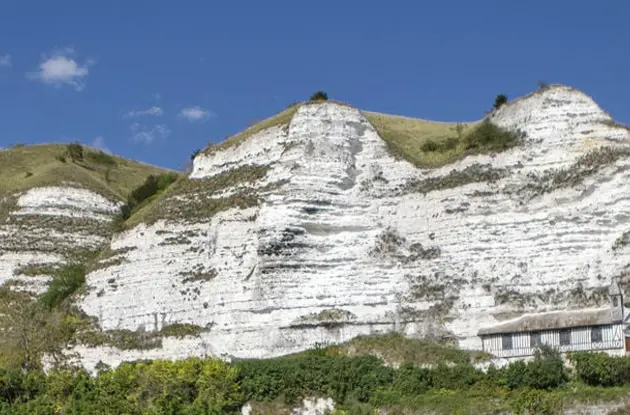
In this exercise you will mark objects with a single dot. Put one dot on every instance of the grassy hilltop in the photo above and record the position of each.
(26, 167)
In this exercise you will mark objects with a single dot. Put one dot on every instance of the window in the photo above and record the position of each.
(596, 335)
(565, 337)
(534, 340)
(506, 341)
(615, 301)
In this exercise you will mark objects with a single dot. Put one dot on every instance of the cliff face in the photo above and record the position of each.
(54, 211)
(46, 227)
(312, 232)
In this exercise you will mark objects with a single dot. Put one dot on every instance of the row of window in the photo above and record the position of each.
(535, 338)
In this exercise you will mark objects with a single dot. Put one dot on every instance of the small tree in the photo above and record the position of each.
(75, 151)
(499, 101)
(319, 96)
(29, 331)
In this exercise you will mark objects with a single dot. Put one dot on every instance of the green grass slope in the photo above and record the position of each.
(423, 143)
(26, 167)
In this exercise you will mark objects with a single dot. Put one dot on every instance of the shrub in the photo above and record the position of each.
(455, 377)
(412, 380)
(499, 101)
(448, 144)
(546, 371)
(194, 154)
(599, 369)
(151, 187)
(181, 330)
(319, 96)
(67, 280)
(488, 136)
(429, 146)
(75, 151)
(101, 157)
(532, 401)
(340, 377)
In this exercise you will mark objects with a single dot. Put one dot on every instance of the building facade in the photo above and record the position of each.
(600, 329)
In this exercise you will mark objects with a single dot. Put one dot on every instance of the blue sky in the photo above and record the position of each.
(154, 80)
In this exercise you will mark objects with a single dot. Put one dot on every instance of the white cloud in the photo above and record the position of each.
(99, 143)
(60, 68)
(153, 111)
(195, 113)
(148, 134)
(5, 60)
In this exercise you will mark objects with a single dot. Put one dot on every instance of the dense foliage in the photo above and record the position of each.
(319, 96)
(485, 137)
(599, 369)
(499, 101)
(149, 189)
(210, 386)
(66, 281)
(75, 152)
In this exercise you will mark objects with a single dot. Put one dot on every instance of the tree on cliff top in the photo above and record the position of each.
(319, 96)
(499, 101)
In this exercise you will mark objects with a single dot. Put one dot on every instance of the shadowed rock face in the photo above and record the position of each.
(344, 240)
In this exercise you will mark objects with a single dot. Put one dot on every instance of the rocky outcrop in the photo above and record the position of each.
(313, 233)
(46, 227)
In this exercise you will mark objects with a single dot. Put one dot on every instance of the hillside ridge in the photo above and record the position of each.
(337, 223)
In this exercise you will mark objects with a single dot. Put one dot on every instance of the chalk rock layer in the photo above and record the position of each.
(45, 227)
(313, 233)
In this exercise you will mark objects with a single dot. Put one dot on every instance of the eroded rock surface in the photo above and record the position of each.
(337, 238)
(46, 227)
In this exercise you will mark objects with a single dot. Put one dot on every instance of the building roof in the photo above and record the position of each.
(554, 320)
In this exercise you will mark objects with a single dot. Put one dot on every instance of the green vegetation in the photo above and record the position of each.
(142, 195)
(499, 101)
(102, 158)
(406, 137)
(357, 384)
(75, 152)
(181, 330)
(622, 241)
(65, 283)
(475, 173)
(319, 96)
(110, 176)
(36, 269)
(487, 137)
(395, 349)
(428, 144)
(585, 166)
(201, 198)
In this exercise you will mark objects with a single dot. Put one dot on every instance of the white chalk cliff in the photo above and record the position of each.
(45, 227)
(329, 236)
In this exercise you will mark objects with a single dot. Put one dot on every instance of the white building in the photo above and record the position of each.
(600, 329)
